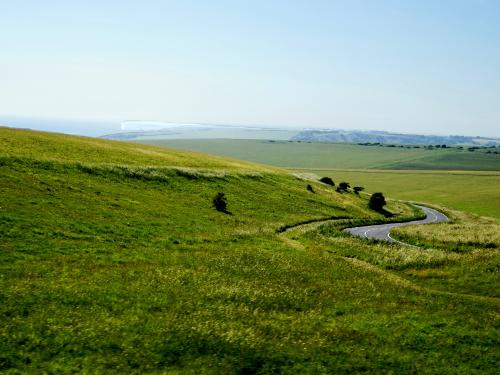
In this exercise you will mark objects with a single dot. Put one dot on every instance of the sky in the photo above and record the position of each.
(430, 67)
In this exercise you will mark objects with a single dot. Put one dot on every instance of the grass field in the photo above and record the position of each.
(476, 192)
(339, 155)
(472, 191)
(472, 246)
(112, 260)
(66, 148)
(452, 160)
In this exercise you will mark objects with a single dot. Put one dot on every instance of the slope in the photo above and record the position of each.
(113, 260)
(314, 155)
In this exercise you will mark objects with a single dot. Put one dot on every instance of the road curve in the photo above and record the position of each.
(383, 231)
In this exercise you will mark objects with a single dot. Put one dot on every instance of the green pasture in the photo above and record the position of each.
(477, 192)
(338, 155)
(113, 260)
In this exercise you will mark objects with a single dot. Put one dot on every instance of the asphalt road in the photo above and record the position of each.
(383, 231)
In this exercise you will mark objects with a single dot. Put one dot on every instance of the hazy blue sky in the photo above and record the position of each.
(411, 66)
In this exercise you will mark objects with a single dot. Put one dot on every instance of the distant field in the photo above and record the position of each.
(477, 192)
(338, 155)
(453, 160)
(218, 133)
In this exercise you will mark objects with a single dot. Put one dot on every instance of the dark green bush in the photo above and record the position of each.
(220, 202)
(343, 187)
(327, 181)
(377, 201)
(357, 189)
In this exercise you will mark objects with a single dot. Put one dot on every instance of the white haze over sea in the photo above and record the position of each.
(141, 125)
(95, 128)
(87, 128)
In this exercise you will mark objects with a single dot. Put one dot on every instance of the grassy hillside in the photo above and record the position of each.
(472, 245)
(66, 148)
(476, 192)
(113, 260)
(339, 155)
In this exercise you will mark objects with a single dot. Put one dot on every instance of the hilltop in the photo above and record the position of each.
(68, 148)
(112, 259)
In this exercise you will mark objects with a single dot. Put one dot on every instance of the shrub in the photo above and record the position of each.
(357, 189)
(327, 180)
(220, 202)
(343, 186)
(377, 201)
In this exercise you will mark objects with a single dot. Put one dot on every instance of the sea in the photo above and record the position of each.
(89, 128)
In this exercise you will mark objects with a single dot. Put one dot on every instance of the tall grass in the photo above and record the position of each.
(466, 232)
(113, 268)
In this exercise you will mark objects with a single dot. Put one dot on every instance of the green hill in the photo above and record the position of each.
(314, 155)
(112, 259)
(66, 148)
(457, 178)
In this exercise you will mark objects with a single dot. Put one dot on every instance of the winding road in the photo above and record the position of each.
(383, 231)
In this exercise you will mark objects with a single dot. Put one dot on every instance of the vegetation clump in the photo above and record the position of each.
(327, 181)
(358, 189)
(343, 187)
(220, 202)
(377, 202)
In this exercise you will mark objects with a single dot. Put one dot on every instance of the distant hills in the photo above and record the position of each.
(143, 130)
(383, 137)
(137, 130)
(156, 130)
